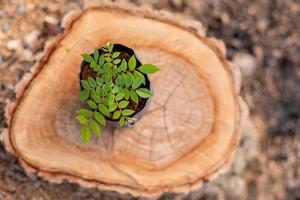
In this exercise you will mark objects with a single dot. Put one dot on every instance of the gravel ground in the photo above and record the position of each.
(262, 37)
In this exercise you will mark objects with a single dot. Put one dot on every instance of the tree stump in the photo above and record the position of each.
(188, 133)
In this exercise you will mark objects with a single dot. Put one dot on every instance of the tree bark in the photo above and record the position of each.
(187, 135)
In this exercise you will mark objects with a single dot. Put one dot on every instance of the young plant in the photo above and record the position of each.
(112, 91)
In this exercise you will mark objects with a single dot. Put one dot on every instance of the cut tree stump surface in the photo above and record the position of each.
(188, 133)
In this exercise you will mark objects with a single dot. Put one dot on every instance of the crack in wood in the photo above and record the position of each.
(151, 143)
(197, 98)
(130, 177)
(164, 110)
(155, 101)
(153, 110)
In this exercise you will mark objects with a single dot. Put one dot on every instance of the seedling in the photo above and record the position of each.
(113, 87)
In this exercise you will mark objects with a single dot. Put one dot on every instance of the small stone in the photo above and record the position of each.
(30, 6)
(51, 26)
(149, 1)
(72, 6)
(225, 18)
(38, 55)
(235, 187)
(239, 164)
(51, 29)
(2, 13)
(250, 147)
(177, 3)
(5, 53)
(262, 25)
(210, 191)
(5, 27)
(14, 44)
(246, 62)
(196, 5)
(52, 7)
(31, 38)
(52, 20)
(25, 55)
(21, 9)
(2, 36)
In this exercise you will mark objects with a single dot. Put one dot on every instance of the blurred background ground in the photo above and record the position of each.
(262, 37)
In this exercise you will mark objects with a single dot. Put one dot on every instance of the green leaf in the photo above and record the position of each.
(92, 82)
(101, 71)
(84, 95)
(148, 68)
(104, 49)
(119, 96)
(138, 74)
(120, 89)
(134, 97)
(95, 97)
(105, 101)
(101, 60)
(136, 83)
(131, 119)
(123, 66)
(91, 104)
(107, 59)
(128, 112)
(107, 78)
(99, 91)
(110, 48)
(97, 68)
(117, 61)
(115, 89)
(123, 104)
(112, 107)
(121, 122)
(111, 100)
(128, 79)
(93, 64)
(85, 112)
(132, 62)
(117, 114)
(99, 80)
(115, 54)
(126, 93)
(103, 109)
(100, 118)
(96, 54)
(124, 78)
(144, 92)
(95, 127)
(81, 119)
(85, 134)
(106, 88)
(88, 58)
(107, 66)
(119, 80)
(85, 84)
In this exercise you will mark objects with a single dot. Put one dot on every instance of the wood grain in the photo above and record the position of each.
(187, 134)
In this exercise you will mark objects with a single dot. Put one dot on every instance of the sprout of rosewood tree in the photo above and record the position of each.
(110, 94)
